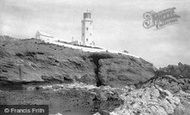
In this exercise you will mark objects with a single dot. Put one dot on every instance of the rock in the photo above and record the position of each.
(181, 72)
(68, 80)
(168, 82)
(124, 71)
(178, 71)
(32, 60)
(148, 101)
(39, 61)
(104, 112)
(66, 98)
(97, 113)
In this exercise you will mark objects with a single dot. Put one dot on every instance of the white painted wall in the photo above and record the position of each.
(87, 31)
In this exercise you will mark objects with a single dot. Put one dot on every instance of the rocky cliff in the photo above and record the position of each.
(178, 71)
(34, 61)
(74, 82)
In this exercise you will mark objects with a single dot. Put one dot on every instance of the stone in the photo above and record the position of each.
(33, 61)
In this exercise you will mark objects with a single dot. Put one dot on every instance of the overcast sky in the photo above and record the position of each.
(117, 25)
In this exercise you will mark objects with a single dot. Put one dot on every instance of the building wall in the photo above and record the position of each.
(43, 36)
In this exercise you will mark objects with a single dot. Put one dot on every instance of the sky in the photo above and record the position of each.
(117, 25)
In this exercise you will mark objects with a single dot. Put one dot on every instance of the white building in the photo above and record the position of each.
(87, 30)
(44, 36)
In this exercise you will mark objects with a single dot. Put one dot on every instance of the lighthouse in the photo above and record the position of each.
(87, 30)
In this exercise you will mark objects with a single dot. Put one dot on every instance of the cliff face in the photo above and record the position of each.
(178, 71)
(74, 82)
(124, 71)
(68, 80)
(33, 61)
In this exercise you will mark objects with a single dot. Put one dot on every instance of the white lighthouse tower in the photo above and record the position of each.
(87, 30)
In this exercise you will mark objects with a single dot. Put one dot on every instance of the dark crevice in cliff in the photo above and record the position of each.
(96, 70)
(95, 59)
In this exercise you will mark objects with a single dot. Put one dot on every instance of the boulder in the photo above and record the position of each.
(118, 72)
(148, 101)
